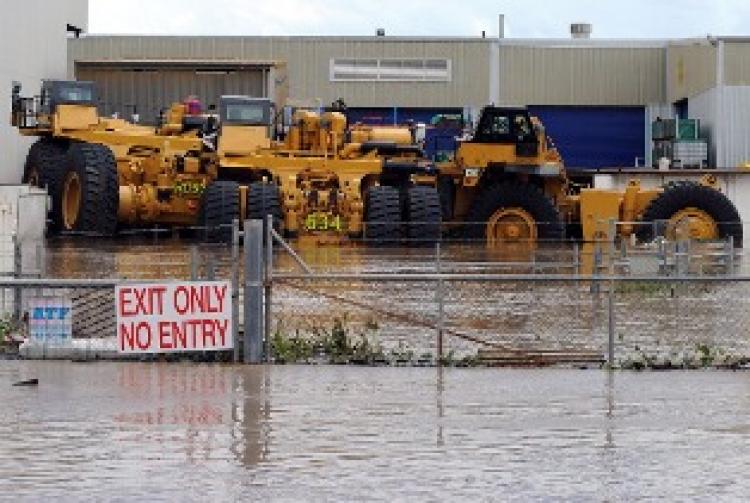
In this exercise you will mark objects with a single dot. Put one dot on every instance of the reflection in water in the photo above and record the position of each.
(251, 417)
(134, 431)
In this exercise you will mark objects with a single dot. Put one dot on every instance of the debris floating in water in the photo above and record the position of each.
(28, 382)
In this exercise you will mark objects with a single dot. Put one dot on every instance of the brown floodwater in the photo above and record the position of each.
(131, 431)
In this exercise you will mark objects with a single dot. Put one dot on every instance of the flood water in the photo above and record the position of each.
(129, 431)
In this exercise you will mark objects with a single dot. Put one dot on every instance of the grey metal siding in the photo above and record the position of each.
(581, 75)
(691, 69)
(737, 63)
(147, 89)
(308, 61)
(725, 119)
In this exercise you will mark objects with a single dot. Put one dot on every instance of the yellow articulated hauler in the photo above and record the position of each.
(102, 172)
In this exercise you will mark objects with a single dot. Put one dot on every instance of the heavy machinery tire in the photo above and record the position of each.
(44, 167)
(88, 193)
(511, 196)
(424, 214)
(383, 216)
(264, 199)
(686, 195)
(220, 206)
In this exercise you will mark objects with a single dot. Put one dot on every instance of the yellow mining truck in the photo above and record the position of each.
(315, 175)
(508, 184)
(101, 172)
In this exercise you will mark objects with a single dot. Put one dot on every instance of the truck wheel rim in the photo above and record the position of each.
(511, 225)
(71, 200)
(692, 223)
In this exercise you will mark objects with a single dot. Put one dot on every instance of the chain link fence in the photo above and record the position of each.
(659, 304)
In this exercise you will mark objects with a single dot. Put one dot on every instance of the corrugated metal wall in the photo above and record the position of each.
(725, 115)
(308, 61)
(691, 69)
(147, 89)
(581, 75)
(737, 63)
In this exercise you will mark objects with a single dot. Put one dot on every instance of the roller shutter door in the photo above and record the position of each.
(596, 137)
(148, 89)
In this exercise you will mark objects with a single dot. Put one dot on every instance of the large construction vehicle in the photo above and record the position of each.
(101, 172)
(315, 175)
(508, 184)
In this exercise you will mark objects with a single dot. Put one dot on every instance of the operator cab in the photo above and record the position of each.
(35, 112)
(245, 111)
(245, 125)
(66, 92)
(508, 126)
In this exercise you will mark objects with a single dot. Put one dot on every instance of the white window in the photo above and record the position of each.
(390, 70)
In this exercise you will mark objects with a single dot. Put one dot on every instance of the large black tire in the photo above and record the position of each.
(95, 169)
(515, 195)
(44, 168)
(424, 214)
(383, 216)
(220, 206)
(264, 199)
(685, 194)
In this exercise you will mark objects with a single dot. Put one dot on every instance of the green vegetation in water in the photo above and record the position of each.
(701, 356)
(343, 343)
(7, 328)
(334, 344)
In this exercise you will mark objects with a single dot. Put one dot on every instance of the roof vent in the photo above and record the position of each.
(380, 32)
(581, 30)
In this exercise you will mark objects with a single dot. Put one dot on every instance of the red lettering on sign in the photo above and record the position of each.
(222, 326)
(165, 335)
(125, 302)
(208, 333)
(143, 335)
(181, 300)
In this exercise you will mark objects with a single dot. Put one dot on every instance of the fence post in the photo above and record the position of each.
(268, 297)
(17, 273)
(730, 245)
(440, 305)
(611, 325)
(236, 290)
(193, 263)
(252, 346)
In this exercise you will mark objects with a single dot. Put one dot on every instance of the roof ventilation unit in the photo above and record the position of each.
(380, 32)
(580, 30)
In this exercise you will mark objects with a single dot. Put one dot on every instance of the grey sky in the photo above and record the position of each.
(527, 18)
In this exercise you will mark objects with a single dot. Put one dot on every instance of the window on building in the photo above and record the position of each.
(391, 70)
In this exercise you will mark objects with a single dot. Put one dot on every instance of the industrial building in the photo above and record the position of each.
(35, 48)
(597, 97)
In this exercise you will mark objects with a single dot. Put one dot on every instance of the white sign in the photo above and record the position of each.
(50, 320)
(174, 317)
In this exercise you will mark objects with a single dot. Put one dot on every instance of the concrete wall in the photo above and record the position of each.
(34, 47)
(581, 73)
(309, 58)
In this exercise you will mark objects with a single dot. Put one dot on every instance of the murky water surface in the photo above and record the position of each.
(104, 431)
